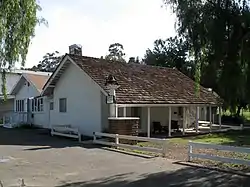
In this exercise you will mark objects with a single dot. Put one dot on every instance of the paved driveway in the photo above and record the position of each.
(50, 161)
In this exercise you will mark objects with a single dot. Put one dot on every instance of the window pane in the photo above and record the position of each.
(41, 104)
(62, 105)
(35, 105)
(16, 105)
(51, 106)
(38, 105)
(22, 105)
(32, 105)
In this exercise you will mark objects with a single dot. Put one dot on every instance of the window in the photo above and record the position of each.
(62, 105)
(19, 105)
(51, 105)
(37, 105)
(32, 105)
(41, 104)
(22, 106)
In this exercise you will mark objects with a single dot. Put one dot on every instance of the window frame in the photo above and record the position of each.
(20, 105)
(61, 110)
(51, 105)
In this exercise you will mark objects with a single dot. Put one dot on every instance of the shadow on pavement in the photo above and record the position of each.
(37, 137)
(187, 177)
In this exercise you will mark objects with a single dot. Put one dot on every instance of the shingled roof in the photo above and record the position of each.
(143, 84)
(38, 80)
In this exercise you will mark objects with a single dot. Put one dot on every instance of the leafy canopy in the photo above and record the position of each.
(218, 32)
(18, 19)
(116, 52)
(49, 62)
(173, 53)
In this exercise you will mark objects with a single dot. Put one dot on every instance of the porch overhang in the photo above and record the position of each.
(168, 105)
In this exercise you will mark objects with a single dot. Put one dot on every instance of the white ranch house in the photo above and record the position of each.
(76, 94)
(12, 77)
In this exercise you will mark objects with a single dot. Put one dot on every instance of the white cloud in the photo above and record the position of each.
(95, 24)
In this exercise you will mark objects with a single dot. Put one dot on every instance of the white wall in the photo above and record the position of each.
(160, 114)
(156, 114)
(41, 119)
(26, 92)
(83, 101)
(105, 113)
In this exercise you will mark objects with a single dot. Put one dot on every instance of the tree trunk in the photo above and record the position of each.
(238, 110)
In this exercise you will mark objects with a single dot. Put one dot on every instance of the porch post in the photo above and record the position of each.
(112, 110)
(197, 120)
(116, 110)
(220, 116)
(184, 120)
(210, 117)
(148, 132)
(205, 113)
(169, 121)
(124, 111)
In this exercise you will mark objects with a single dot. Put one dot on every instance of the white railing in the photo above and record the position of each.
(117, 137)
(15, 119)
(192, 155)
(66, 131)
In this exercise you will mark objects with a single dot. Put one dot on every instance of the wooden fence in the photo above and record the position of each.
(193, 145)
(117, 137)
(66, 131)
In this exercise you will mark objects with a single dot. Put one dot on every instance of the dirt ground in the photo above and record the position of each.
(46, 161)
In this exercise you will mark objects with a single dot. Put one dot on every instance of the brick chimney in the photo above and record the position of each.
(75, 49)
(131, 60)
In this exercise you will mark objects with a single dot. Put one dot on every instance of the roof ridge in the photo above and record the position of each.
(115, 61)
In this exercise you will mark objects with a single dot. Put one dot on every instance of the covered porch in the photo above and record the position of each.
(165, 120)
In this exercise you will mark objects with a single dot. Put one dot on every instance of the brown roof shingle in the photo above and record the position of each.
(38, 80)
(143, 84)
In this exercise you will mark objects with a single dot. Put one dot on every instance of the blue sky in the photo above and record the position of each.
(97, 23)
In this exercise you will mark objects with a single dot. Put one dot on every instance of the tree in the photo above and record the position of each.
(116, 52)
(17, 26)
(218, 32)
(173, 53)
(49, 62)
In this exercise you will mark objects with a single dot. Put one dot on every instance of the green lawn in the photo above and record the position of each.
(246, 114)
(178, 147)
(236, 138)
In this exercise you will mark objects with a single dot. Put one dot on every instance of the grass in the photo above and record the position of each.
(245, 114)
(233, 138)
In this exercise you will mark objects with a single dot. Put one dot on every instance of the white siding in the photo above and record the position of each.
(26, 92)
(83, 101)
(105, 113)
(6, 108)
(41, 119)
(156, 114)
